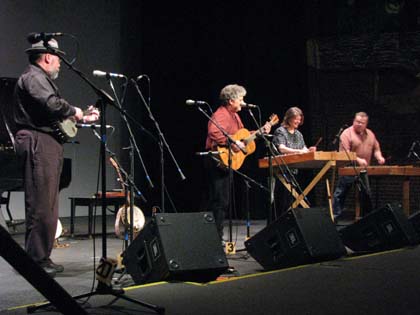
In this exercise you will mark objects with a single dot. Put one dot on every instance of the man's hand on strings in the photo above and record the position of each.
(238, 146)
(92, 114)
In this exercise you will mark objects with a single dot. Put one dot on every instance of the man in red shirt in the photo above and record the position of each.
(357, 138)
(226, 116)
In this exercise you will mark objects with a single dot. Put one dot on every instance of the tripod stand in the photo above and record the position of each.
(135, 221)
(105, 269)
(247, 181)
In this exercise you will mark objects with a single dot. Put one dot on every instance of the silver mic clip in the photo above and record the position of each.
(208, 153)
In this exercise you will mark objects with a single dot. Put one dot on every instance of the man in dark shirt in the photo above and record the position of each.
(37, 106)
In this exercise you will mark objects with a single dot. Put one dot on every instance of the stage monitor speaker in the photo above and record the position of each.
(14, 254)
(414, 219)
(176, 246)
(382, 229)
(299, 236)
(3, 221)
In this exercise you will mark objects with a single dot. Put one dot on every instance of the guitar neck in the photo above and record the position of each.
(117, 169)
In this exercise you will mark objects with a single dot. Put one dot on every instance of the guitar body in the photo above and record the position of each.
(238, 158)
(247, 139)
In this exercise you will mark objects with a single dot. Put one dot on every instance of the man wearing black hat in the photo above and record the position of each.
(38, 105)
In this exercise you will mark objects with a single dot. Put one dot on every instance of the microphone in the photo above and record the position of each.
(102, 74)
(36, 37)
(413, 145)
(337, 136)
(141, 76)
(207, 153)
(197, 103)
(93, 126)
(246, 105)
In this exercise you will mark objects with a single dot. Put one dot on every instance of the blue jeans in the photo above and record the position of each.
(340, 192)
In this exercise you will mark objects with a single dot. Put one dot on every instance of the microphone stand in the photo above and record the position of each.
(272, 205)
(337, 137)
(102, 288)
(128, 178)
(413, 152)
(162, 144)
(131, 180)
(131, 176)
(130, 133)
(127, 182)
(229, 142)
(247, 181)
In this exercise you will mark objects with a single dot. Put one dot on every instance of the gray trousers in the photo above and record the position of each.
(42, 158)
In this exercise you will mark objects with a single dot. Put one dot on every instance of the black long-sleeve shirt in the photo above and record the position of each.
(38, 103)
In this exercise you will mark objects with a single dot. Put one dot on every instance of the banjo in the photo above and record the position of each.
(123, 216)
(58, 232)
(59, 229)
(65, 129)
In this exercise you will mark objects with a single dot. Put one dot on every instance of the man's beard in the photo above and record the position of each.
(54, 74)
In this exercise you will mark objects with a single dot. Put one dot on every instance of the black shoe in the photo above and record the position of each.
(49, 270)
(57, 268)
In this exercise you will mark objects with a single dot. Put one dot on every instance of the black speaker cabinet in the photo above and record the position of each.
(414, 219)
(176, 246)
(3, 221)
(299, 236)
(382, 229)
(15, 255)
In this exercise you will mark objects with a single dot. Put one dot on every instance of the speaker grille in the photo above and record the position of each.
(176, 246)
(299, 236)
(382, 229)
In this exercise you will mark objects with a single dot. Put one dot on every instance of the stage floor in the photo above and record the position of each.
(381, 283)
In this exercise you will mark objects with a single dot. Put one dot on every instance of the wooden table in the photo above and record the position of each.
(406, 172)
(115, 199)
(323, 160)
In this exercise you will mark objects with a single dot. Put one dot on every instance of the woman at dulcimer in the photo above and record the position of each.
(287, 138)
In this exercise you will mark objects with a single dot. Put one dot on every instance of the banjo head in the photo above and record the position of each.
(138, 220)
(68, 127)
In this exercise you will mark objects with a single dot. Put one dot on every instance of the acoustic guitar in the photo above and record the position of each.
(248, 139)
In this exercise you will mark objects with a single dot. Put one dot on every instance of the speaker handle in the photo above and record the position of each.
(149, 253)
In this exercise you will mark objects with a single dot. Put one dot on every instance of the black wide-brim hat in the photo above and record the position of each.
(39, 47)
